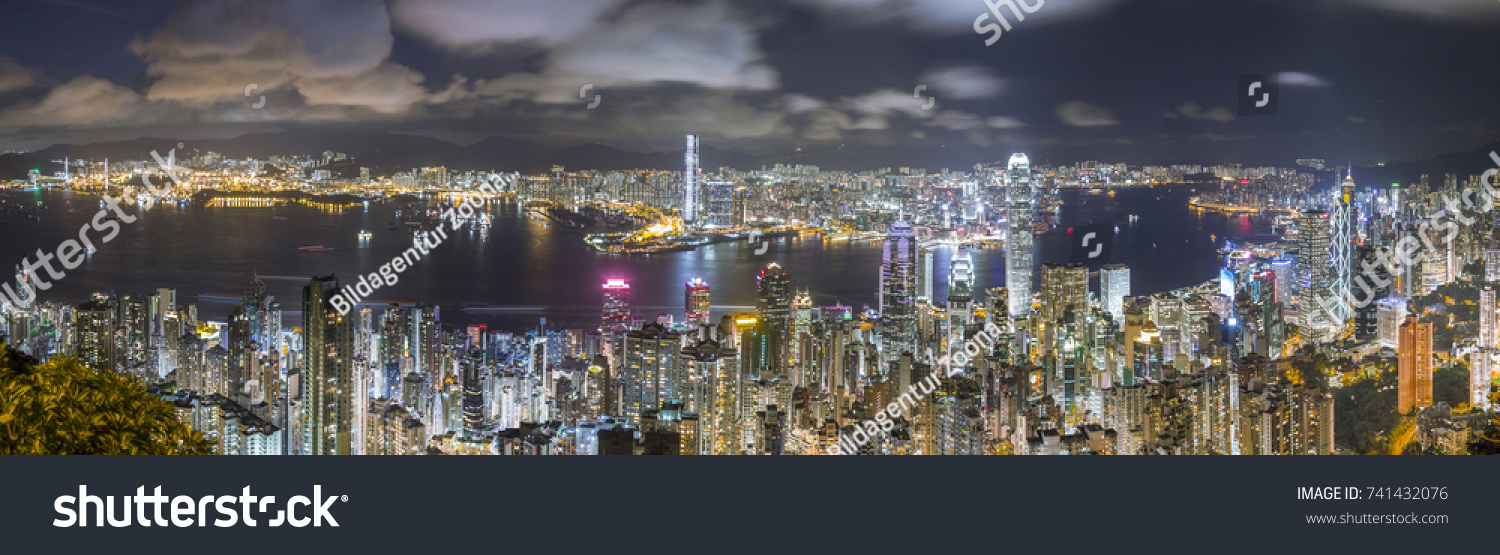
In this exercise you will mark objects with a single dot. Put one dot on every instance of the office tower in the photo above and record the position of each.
(1492, 264)
(616, 303)
(1114, 286)
(1318, 309)
(1064, 287)
(898, 289)
(255, 312)
(1286, 284)
(652, 372)
(960, 294)
(690, 182)
(1390, 314)
(1414, 366)
(924, 274)
(1341, 251)
(327, 388)
(774, 297)
(697, 302)
(1019, 239)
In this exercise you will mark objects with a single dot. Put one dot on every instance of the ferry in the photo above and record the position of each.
(314, 248)
(364, 235)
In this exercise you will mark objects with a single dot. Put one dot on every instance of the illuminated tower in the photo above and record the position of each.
(616, 303)
(1318, 308)
(1018, 237)
(1340, 252)
(960, 291)
(1114, 286)
(898, 288)
(775, 297)
(327, 392)
(697, 301)
(1414, 366)
(690, 182)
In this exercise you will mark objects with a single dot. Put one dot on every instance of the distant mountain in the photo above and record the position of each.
(1461, 164)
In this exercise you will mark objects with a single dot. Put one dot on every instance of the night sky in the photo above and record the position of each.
(1110, 80)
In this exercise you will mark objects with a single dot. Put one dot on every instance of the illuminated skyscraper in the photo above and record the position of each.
(327, 392)
(690, 182)
(616, 303)
(1390, 313)
(1019, 239)
(1480, 362)
(1064, 287)
(1341, 252)
(697, 301)
(897, 290)
(960, 292)
(1318, 309)
(1414, 367)
(775, 297)
(1114, 286)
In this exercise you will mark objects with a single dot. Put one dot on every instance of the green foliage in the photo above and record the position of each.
(1366, 413)
(62, 407)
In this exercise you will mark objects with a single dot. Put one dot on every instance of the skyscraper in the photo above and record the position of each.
(697, 301)
(1341, 252)
(1114, 286)
(1390, 313)
(1064, 287)
(960, 291)
(1018, 237)
(1317, 307)
(898, 289)
(327, 388)
(775, 297)
(1414, 367)
(1480, 362)
(616, 303)
(690, 182)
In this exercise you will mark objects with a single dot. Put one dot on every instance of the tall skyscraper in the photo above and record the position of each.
(1019, 240)
(775, 297)
(1341, 251)
(327, 387)
(1414, 367)
(1480, 362)
(1064, 287)
(1317, 307)
(898, 290)
(1114, 286)
(690, 182)
(697, 294)
(960, 293)
(616, 303)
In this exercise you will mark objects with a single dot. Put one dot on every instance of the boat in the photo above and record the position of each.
(364, 235)
(313, 248)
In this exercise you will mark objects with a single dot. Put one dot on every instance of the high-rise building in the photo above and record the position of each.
(96, 333)
(898, 289)
(690, 182)
(774, 297)
(1492, 265)
(1064, 287)
(1019, 239)
(1341, 251)
(960, 294)
(616, 303)
(1414, 366)
(1318, 309)
(718, 204)
(327, 387)
(1390, 314)
(697, 301)
(1114, 286)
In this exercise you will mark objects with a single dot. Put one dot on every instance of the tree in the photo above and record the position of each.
(62, 407)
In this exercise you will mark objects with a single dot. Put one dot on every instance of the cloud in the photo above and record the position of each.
(14, 76)
(962, 82)
(1192, 110)
(477, 27)
(1299, 79)
(1003, 122)
(1221, 137)
(84, 100)
(1078, 113)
